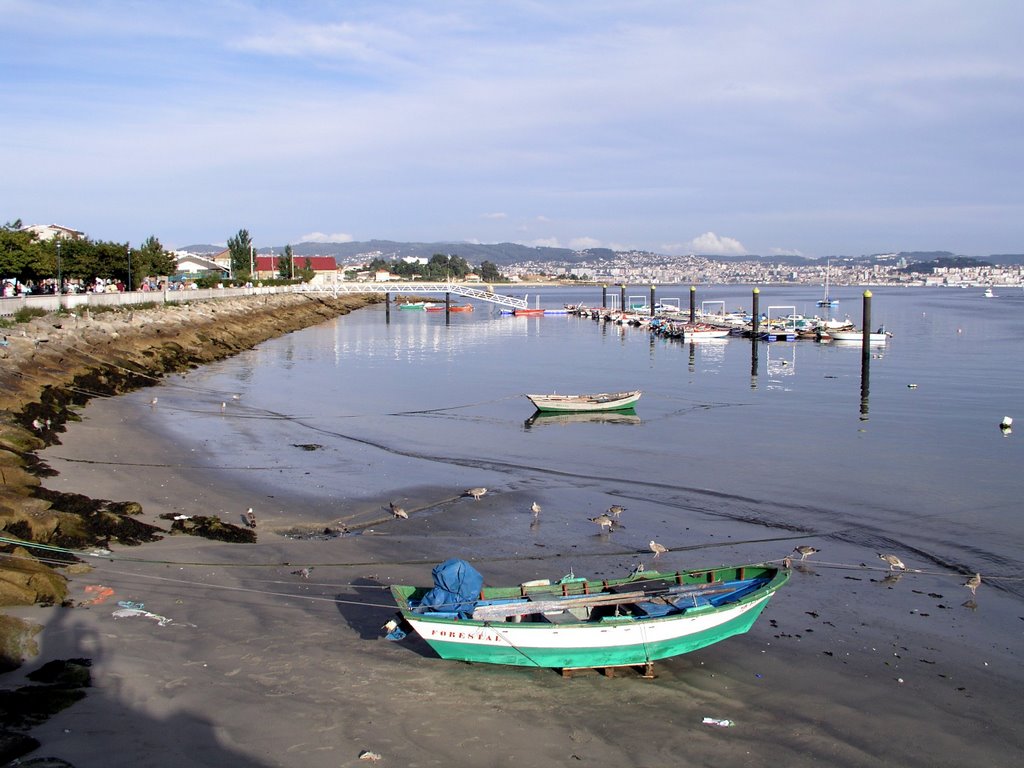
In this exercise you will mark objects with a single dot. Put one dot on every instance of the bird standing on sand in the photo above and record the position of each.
(973, 583)
(893, 561)
(657, 549)
(153, 401)
(303, 572)
(397, 511)
(602, 520)
(805, 551)
(535, 508)
(615, 510)
(476, 493)
(250, 518)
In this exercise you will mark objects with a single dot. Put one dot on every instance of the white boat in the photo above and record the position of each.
(877, 337)
(827, 300)
(989, 294)
(610, 401)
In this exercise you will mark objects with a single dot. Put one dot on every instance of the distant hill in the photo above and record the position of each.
(503, 254)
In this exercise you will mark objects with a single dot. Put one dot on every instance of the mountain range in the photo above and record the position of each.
(504, 254)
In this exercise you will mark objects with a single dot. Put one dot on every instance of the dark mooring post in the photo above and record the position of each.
(652, 301)
(604, 296)
(622, 298)
(754, 348)
(387, 307)
(755, 313)
(866, 332)
(693, 303)
(447, 307)
(865, 385)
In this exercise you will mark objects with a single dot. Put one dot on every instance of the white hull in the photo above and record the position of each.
(585, 403)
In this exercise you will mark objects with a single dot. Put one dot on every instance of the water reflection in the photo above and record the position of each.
(540, 418)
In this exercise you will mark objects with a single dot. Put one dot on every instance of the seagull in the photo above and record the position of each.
(973, 583)
(893, 561)
(153, 401)
(37, 425)
(476, 493)
(602, 520)
(535, 508)
(250, 518)
(657, 549)
(397, 511)
(615, 510)
(805, 551)
(223, 407)
(236, 396)
(303, 572)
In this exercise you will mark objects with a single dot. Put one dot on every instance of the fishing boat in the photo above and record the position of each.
(610, 401)
(827, 300)
(578, 623)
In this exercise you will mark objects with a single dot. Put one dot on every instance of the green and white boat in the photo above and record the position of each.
(581, 623)
(605, 401)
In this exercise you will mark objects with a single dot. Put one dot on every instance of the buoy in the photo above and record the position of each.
(1006, 422)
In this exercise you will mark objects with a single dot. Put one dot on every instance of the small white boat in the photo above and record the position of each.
(610, 401)
(989, 294)
(877, 337)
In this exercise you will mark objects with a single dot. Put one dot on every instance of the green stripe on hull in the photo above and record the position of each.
(563, 658)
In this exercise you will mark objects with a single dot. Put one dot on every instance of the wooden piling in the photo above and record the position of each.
(604, 296)
(622, 298)
(693, 303)
(755, 312)
(652, 301)
(387, 307)
(866, 330)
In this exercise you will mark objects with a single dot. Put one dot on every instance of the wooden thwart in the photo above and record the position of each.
(504, 610)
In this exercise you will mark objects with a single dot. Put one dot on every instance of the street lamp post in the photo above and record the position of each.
(129, 267)
(58, 291)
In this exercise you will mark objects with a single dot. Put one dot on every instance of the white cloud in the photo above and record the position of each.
(583, 243)
(545, 242)
(784, 252)
(320, 237)
(496, 215)
(714, 245)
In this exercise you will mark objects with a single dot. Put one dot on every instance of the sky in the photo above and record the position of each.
(728, 127)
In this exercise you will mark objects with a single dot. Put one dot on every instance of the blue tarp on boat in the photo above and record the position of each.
(457, 586)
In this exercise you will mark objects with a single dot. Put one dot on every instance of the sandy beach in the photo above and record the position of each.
(254, 665)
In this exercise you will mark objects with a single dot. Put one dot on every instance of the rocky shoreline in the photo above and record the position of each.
(49, 368)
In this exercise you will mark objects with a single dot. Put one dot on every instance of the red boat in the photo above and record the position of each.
(527, 312)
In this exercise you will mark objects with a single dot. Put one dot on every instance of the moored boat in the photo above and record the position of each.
(528, 312)
(606, 401)
(583, 623)
(876, 337)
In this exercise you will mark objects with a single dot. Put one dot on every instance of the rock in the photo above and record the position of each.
(24, 581)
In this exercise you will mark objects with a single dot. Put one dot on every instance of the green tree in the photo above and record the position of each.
(240, 248)
(151, 260)
(20, 253)
(307, 272)
(489, 272)
(284, 263)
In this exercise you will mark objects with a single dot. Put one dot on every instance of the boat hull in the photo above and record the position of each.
(616, 401)
(608, 644)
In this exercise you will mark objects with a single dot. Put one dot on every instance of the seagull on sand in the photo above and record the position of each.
(893, 561)
(476, 493)
(805, 551)
(973, 583)
(397, 511)
(535, 508)
(250, 518)
(657, 549)
(602, 520)
(223, 407)
(153, 401)
(615, 510)
(303, 572)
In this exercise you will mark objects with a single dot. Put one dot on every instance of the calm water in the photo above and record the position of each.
(755, 441)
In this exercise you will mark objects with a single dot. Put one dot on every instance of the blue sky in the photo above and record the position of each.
(734, 126)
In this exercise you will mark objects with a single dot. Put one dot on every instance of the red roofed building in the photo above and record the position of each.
(266, 266)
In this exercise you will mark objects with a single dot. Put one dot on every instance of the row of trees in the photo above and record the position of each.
(25, 257)
(440, 267)
(242, 253)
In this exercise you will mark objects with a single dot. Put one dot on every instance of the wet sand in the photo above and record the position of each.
(259, 667)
